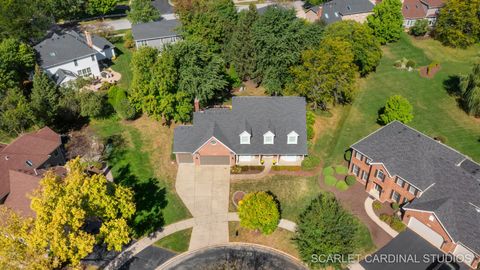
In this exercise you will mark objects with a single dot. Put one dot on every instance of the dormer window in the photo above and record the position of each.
(292, 138)
(245, 138)
(268, 138)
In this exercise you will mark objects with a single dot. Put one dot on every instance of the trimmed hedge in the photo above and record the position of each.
(342, 186)
(287, 168)
(327, 171)
(330, 180)
(348, 155)
(341, 169)
(350, 180)
(393, 221)
(243, 169)
(310, 162)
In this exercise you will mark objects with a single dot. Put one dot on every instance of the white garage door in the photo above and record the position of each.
(425, 232)
(289, 158)
(245, 158)
(463, 254)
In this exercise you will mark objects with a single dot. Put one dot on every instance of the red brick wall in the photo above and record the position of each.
(217, 149)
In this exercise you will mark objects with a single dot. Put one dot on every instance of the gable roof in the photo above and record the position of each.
(156, 29)
(414, 9)
(62, 74)
(333, 11)
(434, 3)
(449, 180)
(63, 47)
(256, 115)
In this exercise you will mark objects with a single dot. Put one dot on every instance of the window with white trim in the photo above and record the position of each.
(85, 72)
(355, 169)
(380, 175)
(395, 196)
(368, 161)
(413, 190)
(364, 175)
(358, 155)
(245, 138)
(292, 138)
(399, 181)
(268, 137)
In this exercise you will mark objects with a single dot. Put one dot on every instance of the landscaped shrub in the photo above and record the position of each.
(310, 122)
(420, 28)
(341, 185)
(259, 211)
(128, 40)
(411, 64)
(396, 108)
(117, 97)
(243, 169)
(395, 206)
(348, 155)
(350, 180)
(328, 170)
(330, 180)
(341, 169)
(235, 169)
(397, 224)
(310, 162)
(287, 168)
(377, 205)
(386, 218)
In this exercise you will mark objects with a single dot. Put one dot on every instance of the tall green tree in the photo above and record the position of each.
(366, 48)
(458, 23)
(16, 61)
(141, 64)
(100, 6)
(386, 21)
(44, 98)
(326, 229)
(326, 75)
(66, 207)
(142, 11)
(470, 88)
(16, 116)
(240, 50)
(396, 108)
(208, 21)
(24, 19)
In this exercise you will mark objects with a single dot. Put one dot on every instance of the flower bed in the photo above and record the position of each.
(287, 168)
(246, 169)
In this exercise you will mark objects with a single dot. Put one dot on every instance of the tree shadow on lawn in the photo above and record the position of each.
(452, 86)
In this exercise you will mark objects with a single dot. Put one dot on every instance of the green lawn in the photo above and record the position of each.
(177, 242)
(131, 158)
(436, 112)
(122, 64)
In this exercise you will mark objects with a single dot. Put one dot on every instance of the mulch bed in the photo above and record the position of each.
(429, 73)
(237, 197)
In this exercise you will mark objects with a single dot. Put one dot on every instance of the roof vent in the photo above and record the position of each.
(6, 157)
(52, 54)
(29, 163)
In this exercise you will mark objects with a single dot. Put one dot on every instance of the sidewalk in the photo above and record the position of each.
(369, 209)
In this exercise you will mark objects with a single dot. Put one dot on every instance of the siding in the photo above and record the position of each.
(83, 63)
(158, 43)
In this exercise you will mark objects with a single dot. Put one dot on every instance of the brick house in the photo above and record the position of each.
(254, 128)
(414, 10)
(23, 163)
(437, 187)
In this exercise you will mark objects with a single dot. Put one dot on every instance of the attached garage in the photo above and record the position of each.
(425, 232)
(184, 158)
(214, 160)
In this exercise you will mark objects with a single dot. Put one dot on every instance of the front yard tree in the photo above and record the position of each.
(470, 87)
(142, 11)
(386, 21)
(240, 51)
(325, 228)
(366, 48)
(420, 28)
(79, 211)
(458, 23)
(259, 211)
(101, 6)
(326, 75)
(396, 108)
(44, 98)
(16, 115)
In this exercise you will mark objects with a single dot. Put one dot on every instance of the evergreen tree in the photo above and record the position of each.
(44, 98)
(16, 116)
(397, 108)
(470, 87)
(386, 21)
(142, 11)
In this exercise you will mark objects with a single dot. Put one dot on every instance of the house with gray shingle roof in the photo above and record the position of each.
(437, 186)
(337, 10)
(252, 129)
(69, 54)
(156, 34)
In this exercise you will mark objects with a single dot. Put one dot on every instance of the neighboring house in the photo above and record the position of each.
(313, 13)
(23, 163)
(254, 128)
(438, 186)
(69, 54)
(414, 10)
(337, 10)
(156, 34)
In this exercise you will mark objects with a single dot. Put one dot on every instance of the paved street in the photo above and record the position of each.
(205, 192)
(147, 259)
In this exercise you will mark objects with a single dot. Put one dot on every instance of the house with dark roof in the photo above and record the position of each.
(437, 186)
(156, 34)
(414, 10)
(69, 54)
(23, 163)
(252, 129)
(337, 10)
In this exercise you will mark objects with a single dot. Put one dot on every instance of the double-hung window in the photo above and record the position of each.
(400, 182)
(355, 170)
(358, 155)
(380, 175)
(395, 196)
(413, 190)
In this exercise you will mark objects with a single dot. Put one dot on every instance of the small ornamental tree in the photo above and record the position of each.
(420, 28)
(386, 21)
(259, 211)
(396, 108)
(325, 228)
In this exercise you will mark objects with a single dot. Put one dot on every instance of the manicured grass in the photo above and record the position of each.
(436, 112)
(280, 239)
(293, 193)
(138, 156)
(339, 169)
(122, 64)
(363, 240)
(330, 180)
(177, 242)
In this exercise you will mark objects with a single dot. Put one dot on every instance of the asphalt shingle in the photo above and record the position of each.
(157, 29)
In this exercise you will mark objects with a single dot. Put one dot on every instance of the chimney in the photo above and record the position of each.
(88, 38)
(196, 104)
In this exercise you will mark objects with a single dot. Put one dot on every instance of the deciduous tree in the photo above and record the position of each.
(16, 115)
(366, 48)
(396, 108)
(470, 88)
(142, 11)
(259, 211)
(420, 28)
(100, 6)
(44, 98)
(386, 21)
(16, 61)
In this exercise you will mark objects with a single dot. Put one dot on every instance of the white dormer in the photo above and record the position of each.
(245, 138)
(268, 137)
(292, 138)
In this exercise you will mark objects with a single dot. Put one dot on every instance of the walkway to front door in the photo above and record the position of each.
(205, 191)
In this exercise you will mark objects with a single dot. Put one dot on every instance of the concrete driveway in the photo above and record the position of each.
(205, 191)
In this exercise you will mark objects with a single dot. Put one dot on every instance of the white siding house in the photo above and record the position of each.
(156, 34)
